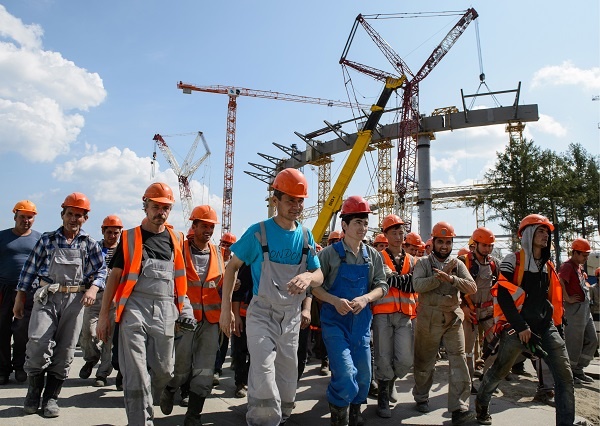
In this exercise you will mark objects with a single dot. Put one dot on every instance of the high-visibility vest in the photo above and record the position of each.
(204, 296)
(468, 260)
(518, 294)
(132, 257)
(396, 300)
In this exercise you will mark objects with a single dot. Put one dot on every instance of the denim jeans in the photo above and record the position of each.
(557, 360)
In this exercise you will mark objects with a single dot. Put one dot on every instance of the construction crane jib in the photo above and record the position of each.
(233, 93)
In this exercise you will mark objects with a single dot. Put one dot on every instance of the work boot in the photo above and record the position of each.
(355, 419)
(392, 394)
(324, 370)
(119, 381)
(373, 389)
(185, 396)
(459, 417)
(194, 410)
(339, 415)
(483, 414)
(34, 394)
(86, 370)
(50, 398)
(383, 401)
(166, 400)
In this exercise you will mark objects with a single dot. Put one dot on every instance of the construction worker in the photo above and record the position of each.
(380, 242)
(439, 279)
(412, 242)
(15, 245)
(421, 250)
(195, 352)
(282, 270)
(580, 333)
(239, 344)
(428, 246)
(95, 350)
(394, 317)
(478, 308)
(334, 237)
(71, 270)
(148, 283)
(595, 305)
(463, 251)
(354, 277)
(527, 304)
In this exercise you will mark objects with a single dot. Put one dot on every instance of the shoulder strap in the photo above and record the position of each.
(339, 248)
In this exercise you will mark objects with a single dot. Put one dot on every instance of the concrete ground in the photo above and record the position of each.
(82, 404)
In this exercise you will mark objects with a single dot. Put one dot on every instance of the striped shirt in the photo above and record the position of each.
(38, 262)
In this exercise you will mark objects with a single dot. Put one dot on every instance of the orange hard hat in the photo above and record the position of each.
(483, 235)
(380, 238)
(355, 204)
(190, 233)
(25, 206)
(581, 244)
(204, 213)
(391, 220)
(291, 182)
(429, 242)
(463, 251)
(78, 200)
(422, 246)
(534, 219)
(334, 235)
(413, 238)
(443, 230)
(159, 192)
(112, 220)
(228, 237)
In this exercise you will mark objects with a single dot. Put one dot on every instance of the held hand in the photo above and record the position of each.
(358, 304)
(304, 318)
(441, 275)
(239, 326)
(449, 266)
(343, 306)
(227, 322)
(298, 284)
(237, 284)
(89, 297)
(524, 336)
(576, 298)
(467, 311)
(19, 307)
(103, 327)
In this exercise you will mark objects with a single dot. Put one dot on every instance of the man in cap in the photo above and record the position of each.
(527, 305)
(580, 333)
(94, 349)
(71, 270)
(196, 349)
(282, 270)
(148, 283)
(439, 279)
(15, 245)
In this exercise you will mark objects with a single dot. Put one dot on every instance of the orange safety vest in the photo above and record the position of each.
(204, 296)
(518, 295)
(132, 257)
(396, 300)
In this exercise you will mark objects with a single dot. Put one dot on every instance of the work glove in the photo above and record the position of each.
(535, 346)
(186, 324)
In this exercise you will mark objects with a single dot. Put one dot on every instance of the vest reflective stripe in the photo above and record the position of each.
(204, 297)
(396, 300)
(132, 257)
(518, 294)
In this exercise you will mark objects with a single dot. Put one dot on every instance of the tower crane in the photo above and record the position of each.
(410, 119)
(186, 170)
(233, 93)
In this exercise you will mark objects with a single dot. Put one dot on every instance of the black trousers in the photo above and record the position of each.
(12, 329)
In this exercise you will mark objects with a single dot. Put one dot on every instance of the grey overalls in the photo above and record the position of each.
(272, 327)
(57, 315)
(146, 333)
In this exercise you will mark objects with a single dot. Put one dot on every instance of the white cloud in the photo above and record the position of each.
(548, 125)
(40, 92)
(567, 74)
(117, 179)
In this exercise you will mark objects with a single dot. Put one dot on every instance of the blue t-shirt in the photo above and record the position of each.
(284, 247)
(14, 251)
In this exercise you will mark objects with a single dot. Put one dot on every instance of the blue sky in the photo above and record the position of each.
(84, 86)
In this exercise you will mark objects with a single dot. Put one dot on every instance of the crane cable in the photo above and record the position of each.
(481, 73)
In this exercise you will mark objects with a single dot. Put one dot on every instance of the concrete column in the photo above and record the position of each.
(424, 179)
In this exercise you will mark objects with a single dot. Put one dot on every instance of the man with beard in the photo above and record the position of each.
(439, 279)
(527, 305)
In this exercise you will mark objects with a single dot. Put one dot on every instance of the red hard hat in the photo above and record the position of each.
(228, 237)
(112, 220)
(334, 235)
(443, 230)
(204, 213)
(355, 204)
(581, 244)
(534, 219)
(25, 206)
(413, 238)
(291, 182)
(391, 220)
(78, 200)
(380, 238)
(483, 235)
(159, 192)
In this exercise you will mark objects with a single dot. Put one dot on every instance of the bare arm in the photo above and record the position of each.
(227, 320)
(301, 282)
(112, 282)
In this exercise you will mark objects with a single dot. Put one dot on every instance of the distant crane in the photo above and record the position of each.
(233, 93)
(186, 170)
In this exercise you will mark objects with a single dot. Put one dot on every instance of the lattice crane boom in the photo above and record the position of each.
(233, 93)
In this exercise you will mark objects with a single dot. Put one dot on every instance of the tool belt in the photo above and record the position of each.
(65, 288)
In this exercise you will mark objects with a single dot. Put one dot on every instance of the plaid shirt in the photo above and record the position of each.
(38, 262)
